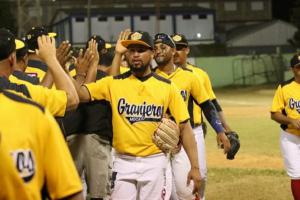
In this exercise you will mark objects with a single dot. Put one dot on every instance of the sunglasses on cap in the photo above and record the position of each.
(165, 39)
(162, 36)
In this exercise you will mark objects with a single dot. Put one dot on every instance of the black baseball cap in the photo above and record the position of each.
(165, 39)
(32, 36)
(139, 37)
(8, 43)
(22, 50)
(102, 44)
(295, 60)
(180, 39)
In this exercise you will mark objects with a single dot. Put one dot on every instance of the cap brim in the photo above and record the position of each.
(19, 44)
(181, 43)
(52, 34)
(126, 43)
(108, 46)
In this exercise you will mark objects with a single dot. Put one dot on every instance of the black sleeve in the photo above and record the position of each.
(211, 115)
(217, 105)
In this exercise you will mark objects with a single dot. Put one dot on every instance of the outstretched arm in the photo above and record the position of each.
(47, 52)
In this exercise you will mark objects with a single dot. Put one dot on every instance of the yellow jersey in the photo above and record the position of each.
(11, 184)
(197, 116)
(37, 148)
(124, 69)
(190, 86)
(54, 100)
(287, 101)
(138, 105)
(36, 69)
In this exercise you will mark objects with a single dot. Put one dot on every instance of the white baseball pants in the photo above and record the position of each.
(181, 166)
(290, 149)
(139, 178)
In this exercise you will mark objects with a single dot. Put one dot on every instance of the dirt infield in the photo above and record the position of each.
(257, 172)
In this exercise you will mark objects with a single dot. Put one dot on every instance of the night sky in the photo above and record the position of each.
(282, 9)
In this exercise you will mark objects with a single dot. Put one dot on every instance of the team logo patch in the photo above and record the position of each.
(136, 36)
(142, 112)
(25, 164)
(177, 38)
(294, 104)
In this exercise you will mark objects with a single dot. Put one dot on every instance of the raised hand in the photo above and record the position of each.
(64, 53)
(122, 36)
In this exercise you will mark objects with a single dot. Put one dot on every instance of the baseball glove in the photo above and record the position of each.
(235, 144)
(166, 136)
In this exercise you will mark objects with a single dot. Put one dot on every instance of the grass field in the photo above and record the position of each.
(257, 172)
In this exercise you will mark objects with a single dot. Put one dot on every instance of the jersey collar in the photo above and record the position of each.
(163, 74)
(145, 77)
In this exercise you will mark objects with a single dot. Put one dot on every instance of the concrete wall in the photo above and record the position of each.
(267, 68)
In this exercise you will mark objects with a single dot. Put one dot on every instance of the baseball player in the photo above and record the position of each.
(90, 146)
(286, 111)
(33, 139)
(11, 184)
(57, 101)
(22, 61)
(191, 88)
(180, 59)
(36, 67)
(139, 167)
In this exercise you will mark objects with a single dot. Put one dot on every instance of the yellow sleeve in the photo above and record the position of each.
(54, 100)
(208, 86)
(61, 176)
(198, 91)
(278, 101)
(177, 106)
(11, 184)
(100, 89)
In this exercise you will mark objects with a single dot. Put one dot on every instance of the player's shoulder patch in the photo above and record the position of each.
(123, 76)
(20, 99)
(284, 83)
(160, 78)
